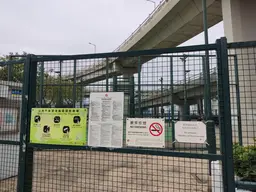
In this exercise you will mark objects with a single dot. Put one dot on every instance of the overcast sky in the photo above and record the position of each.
(66, 26)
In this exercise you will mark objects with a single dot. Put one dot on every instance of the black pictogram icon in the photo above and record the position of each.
(66, 129)
(46, 129)
(56, 119)
(37, 119)
(76, 119)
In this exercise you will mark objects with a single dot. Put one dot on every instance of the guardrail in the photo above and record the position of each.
(176, 86)
(196, 76)
(190, 79)
(143, 24)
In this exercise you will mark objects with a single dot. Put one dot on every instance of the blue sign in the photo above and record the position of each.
(16, 92)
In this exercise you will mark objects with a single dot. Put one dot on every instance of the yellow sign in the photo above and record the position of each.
(61, 126)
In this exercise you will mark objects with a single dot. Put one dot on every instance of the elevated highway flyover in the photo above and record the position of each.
(194, 88)
(169, 25)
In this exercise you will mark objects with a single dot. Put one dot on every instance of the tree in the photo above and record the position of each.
(16, 71)
(55, 91)
(58, 92)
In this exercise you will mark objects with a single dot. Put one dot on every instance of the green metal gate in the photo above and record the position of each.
(163, 83)
(11, 75)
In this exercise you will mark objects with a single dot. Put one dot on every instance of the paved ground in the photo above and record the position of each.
(100, 171)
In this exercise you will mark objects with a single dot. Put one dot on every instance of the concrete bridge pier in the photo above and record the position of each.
(239, 25)
(184, 112)
(200, 107)
(156, 111)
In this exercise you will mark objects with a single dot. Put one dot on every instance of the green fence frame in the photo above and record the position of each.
(25, 172)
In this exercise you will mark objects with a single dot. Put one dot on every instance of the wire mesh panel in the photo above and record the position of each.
(171, 85)
(108, 171)
(168, 85)
(11, 77)
(242, 61)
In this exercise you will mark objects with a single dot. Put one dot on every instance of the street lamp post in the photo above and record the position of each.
(162, 107)
(59, 100)
(93, 46)
(185, 71)
(152, 2)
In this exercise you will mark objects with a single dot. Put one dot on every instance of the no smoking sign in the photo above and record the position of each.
(156, 129)
(145, 132)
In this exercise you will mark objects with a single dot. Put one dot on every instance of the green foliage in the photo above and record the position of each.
(17, 73)
(245, 162)
(16, 70)
(56, 91)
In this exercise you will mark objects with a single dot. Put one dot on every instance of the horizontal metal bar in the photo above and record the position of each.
(12, 62)
(125, 54)
(6, 142)
(246, 185)
(173, 56)
(247, 44)
(17, 56)
(131, 151)
(8, 178)
(124, 85)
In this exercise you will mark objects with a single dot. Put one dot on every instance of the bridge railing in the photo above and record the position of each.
(195, 77)
(143, 24)
(190, 80)
(176, 85)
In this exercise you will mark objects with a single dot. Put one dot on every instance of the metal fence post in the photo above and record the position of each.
(225, 116)
(139, 86)
(211, 137)
(28, 101)
(107, 74)
(81, 95)
(132, 103)
(239, 120)
(41, 84)
(60, 101)
(162, 94)
(186, 111)
(74, 85)
(172, 104)
(210, 125)
(115, 83)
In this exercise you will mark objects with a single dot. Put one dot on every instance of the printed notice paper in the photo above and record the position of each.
(106, 119)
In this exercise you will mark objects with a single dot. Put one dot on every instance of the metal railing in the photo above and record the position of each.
(195, 77)
(190, 81)
(143, 24)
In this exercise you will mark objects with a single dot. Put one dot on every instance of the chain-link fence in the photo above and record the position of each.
(10, 110)
(242, 98)
(184, 84)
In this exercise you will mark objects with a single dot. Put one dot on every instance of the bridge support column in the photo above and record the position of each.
(239, 20)
(156, 111)
(200, 107)
(239, 25)
(184, 112)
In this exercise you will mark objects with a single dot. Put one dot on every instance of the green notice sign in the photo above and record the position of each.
(61, 126)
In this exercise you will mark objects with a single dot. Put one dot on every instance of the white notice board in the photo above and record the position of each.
(190, 132)
(106, 119)
(145, 132)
